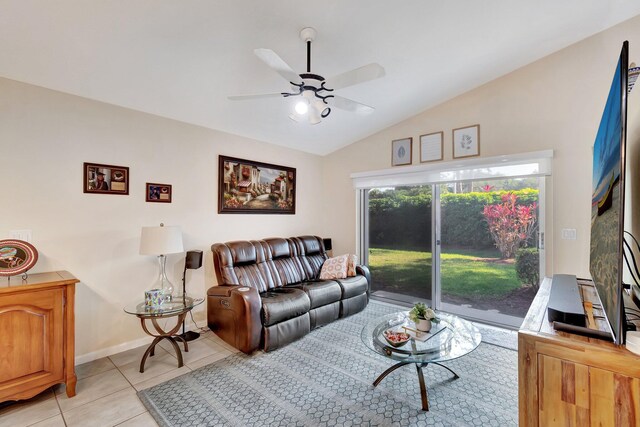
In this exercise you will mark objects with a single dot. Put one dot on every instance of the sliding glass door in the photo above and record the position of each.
(469, 247)
(488, 254)
(400, 240)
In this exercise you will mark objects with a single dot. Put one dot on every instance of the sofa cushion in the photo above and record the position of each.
(335, 268)
(281, 304)
(321, 292)
(351, 265)
(352, 286)
(311, 254)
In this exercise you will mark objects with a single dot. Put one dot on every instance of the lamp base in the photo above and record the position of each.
(190, 335)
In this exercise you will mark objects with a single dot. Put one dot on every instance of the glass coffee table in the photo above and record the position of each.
(179, 306)
(453, 337)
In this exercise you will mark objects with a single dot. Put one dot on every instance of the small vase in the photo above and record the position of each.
(423, 325)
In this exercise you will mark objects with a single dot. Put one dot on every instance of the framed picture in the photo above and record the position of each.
(466, 141)
(158, 193)
(250, 187)
(106, 179)
(401, 152)
(431, 147)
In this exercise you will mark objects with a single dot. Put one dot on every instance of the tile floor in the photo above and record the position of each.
(106, 388)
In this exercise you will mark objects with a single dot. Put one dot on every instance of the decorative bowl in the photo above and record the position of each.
(396, 338)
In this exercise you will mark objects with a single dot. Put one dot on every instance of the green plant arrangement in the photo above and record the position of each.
(421, 311)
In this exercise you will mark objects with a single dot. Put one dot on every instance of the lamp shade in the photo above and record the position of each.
(161, 240)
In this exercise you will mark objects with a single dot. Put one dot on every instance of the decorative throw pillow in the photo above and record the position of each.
(351, 268)
(335, 268)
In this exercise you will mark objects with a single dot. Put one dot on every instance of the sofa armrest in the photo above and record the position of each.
(364, 270)
(233, 313)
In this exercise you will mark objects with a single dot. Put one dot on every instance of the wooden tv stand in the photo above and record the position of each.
(571, 380)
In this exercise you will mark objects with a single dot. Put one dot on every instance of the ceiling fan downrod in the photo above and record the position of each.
(307, 35)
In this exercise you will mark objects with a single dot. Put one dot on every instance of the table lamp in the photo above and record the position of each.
(161, 241)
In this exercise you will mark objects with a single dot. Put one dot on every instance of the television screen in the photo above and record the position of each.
(607, 202)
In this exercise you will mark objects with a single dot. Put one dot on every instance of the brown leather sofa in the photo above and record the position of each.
(269, 294)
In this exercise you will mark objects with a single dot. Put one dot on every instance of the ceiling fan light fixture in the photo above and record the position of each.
(316, 94)
(294, 117)
(314, 116)
(322, 108)
(301, 107)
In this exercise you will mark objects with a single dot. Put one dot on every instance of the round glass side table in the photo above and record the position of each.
(178, 307)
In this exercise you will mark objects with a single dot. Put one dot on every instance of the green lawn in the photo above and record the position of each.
(465, 273)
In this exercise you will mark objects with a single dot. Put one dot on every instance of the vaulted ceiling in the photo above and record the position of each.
(181, 59)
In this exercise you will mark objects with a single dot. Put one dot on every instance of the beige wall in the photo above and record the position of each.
(555, 103)
(45, 136)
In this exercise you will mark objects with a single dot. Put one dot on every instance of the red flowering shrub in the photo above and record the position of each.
(510, 225)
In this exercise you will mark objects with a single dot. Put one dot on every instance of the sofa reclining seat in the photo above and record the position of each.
(269, 294)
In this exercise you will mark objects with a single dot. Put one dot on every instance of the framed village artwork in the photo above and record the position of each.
(250, 187)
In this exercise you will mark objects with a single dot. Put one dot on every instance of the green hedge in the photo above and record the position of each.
(528, 266)
(402, 218)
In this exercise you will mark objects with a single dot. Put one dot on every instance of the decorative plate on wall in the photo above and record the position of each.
(16, 257)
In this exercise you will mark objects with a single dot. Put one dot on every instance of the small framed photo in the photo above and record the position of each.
(105, 179)
(466, 141)
(431, 147)
(158, 193)
(401, 152)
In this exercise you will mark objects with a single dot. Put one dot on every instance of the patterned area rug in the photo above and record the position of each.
(325, 379)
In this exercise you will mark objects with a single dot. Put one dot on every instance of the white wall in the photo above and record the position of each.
(554, 103)
(45, 136)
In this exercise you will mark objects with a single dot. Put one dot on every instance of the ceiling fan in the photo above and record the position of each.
(316, 93)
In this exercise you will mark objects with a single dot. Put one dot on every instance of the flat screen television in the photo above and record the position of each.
(607, 202)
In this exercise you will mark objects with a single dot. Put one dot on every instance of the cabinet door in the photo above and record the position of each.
(563, 392)
(615, 399)
(31, 341)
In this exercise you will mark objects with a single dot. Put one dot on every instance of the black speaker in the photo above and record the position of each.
(327, 244)
(193, 260)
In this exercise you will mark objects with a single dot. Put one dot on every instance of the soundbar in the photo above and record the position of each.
(565, 302)
(587, 332)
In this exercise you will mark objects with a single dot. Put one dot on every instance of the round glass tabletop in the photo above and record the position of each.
(178, 304)
(453, 337)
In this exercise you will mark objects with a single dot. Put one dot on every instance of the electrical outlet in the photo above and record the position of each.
(569, 234)
(20, 235)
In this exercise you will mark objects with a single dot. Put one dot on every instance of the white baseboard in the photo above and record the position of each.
(109, 351)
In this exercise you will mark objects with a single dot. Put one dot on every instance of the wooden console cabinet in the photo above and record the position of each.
(36, 334)
(570, 380)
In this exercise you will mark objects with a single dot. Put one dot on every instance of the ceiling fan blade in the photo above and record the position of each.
(349, 105)
(277, 64)
(258, 96)
(354, 77)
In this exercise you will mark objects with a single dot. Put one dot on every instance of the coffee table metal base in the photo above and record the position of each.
(423, 387)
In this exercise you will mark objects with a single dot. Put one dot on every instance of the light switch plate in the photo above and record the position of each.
(569, 234)
(24, 235)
